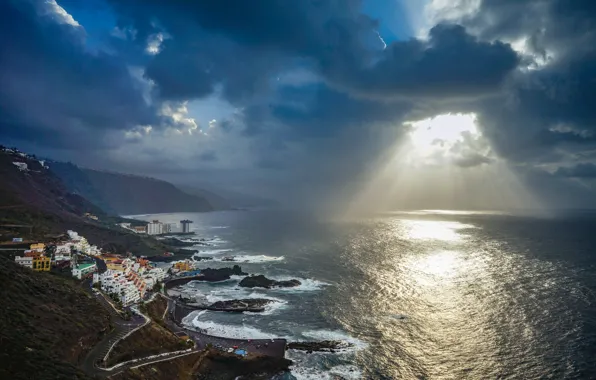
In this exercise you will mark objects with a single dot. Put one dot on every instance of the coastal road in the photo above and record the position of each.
(121, 328)
(174, 315)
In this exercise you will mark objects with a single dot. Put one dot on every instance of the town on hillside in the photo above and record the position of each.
(126, 279)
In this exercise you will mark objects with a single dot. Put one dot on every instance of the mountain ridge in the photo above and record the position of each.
(130, 194)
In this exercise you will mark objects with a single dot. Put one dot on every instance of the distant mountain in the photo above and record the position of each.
(28, 182)
(35, 203)
(218, 202)
(126, 194)
(232, 198)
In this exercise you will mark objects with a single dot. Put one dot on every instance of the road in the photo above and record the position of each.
(121, 328)
(174, 315)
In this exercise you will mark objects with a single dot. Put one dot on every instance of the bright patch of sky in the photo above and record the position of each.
(393, 16)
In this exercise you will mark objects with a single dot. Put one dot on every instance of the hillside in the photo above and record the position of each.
(47, 324)
(31, 195)
(126, 194)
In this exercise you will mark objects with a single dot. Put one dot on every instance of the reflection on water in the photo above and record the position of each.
(429, 296)
(475, 308)
(431, 229)
(438, 264)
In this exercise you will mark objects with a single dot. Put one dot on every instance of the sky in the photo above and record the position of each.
(350, 104)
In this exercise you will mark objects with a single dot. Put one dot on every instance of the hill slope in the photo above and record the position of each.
(129, 194)
(30, 194)
(47, 324)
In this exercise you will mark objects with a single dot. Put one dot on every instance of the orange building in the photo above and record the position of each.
(183, 266)
(41, 263)
(31, 253)
(143, 262)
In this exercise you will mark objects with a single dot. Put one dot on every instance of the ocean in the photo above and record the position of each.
(419, 295)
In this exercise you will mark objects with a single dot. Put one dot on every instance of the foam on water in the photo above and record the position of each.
(229, 331)
(254, 259)
(240, 293)
(216, 241)
(306, 284)
(338, 335)
(218, 227)
(210, 251)
(308, 367)
(311, 373)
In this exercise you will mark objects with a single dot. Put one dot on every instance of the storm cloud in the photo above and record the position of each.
(310, 89)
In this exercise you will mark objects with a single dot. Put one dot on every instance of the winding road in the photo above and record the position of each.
(174, 315)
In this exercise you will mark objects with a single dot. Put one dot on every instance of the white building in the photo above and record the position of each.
(155, 228)
(117, 283)
(63, 249)
(24, 261)
(169, 227)
(152, 276)
(74, 236)
(81, 270)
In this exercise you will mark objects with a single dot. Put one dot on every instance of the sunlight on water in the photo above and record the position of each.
(434, 230)
(443, 264)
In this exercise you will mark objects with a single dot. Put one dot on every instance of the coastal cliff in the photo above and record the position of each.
(126, 194)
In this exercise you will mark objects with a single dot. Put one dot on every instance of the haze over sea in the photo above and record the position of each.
(423, 294)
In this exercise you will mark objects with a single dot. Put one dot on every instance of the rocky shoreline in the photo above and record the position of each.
(320, 346)
(261, 281)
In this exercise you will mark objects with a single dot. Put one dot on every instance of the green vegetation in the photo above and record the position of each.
(47, 324)
(155, 310)
(149, 340)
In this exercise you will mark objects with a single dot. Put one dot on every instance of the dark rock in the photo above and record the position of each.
(322, 346)
(202, 258)
(261, 281)
(221, 365)
(221, 274)
(173, 242)
(250, 304)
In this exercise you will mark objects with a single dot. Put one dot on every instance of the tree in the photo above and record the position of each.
(157, 286)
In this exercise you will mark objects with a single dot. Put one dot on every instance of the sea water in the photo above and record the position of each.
(426, 294)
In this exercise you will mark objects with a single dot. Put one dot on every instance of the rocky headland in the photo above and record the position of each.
(261, 281)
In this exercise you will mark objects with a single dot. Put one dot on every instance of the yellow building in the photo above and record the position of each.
(115, 265)
(183, 266)
(41, 263)
(38, 247)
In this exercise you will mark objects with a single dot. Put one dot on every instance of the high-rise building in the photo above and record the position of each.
(155, 228)
(168, 227)
(185, 225)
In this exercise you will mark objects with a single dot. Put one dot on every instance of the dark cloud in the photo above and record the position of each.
(53, 90)
(242, 45)
(451, 63)
(545, 110)
(321, 111)
(586, 170)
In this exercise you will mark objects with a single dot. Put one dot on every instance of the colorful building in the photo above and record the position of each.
(26, 261)
(41, 263)
(183, 266)
(81, 270)
(38, 247)
(140, 229)
(115, 265)
(32, 253)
